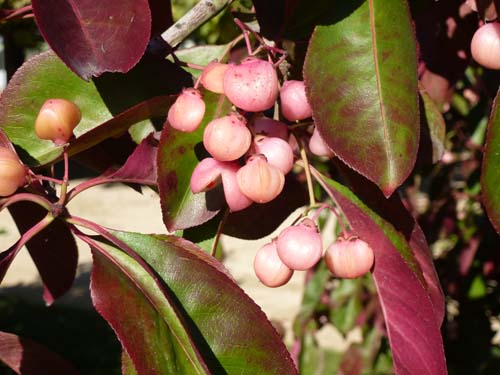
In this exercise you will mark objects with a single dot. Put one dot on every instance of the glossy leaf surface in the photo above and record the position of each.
(412, 318)
(490, 173)
(200, 311)
(361, 80)
(95, 37)
(27, 357)
(178, 155)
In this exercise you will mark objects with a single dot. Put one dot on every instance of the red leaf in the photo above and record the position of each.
(27, 357)
(93, 37)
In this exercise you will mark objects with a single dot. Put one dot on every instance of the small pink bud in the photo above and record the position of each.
(294, 104)
(300, 246)
(187, 112)
(269, 268)
(227, 138)
(349, 258)
(252, 85)
(260, 181)
(212, 77)
(235, 198)
(318, 146)
(206, 175)
(277, 152)
(269, 127)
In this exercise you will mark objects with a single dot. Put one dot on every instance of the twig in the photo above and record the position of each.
(194, 18)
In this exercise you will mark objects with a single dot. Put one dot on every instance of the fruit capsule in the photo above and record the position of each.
(318, 146)
(252, 85)
(485, 45)
(212, 77)
(227, 138)
(300, 246)
(349, 258)
(187, 112)
(260, 181)
(269, 268)
(12, 172)
(276, 150)
(294, 104)
(56, 120)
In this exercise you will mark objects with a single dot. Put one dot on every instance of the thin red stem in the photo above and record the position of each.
(21, 197)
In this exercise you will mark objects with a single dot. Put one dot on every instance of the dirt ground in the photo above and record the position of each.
(122, 208)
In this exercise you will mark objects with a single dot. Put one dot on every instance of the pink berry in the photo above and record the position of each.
(212, 77)
(252, 85)
(260, 181)
(294, 104)
(485, 45)
(12, 172)
(227, 138)
(269, 127)
(187, 112)
(300, 246)
(206, 175)
(318, 146)
(349, 258)
(56, 120)
(269, 268)
(277, 152)
(235, 198)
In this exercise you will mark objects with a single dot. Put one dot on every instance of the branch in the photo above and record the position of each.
(197, 16)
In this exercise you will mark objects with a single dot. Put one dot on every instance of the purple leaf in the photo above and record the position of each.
(27, 357)
(412, 317)
(190, 309)
(95, 37)
(53, 250)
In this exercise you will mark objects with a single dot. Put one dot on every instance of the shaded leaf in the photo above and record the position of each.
(361, 80)
(95, 37)
(433, 125)
(411, 317)
(230, 333)
(27, 357)
(161, 14)
(178, 155)
(490, 172)
(53, 250)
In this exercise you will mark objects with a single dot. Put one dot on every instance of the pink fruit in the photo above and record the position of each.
(277, 152)
(349, 258)
(212, 77)
(206, 175)
(56, 120)
(294, 104)
(269, 268)
(227, 138)
(300, 246)
(187, 112)
(260, 181)
(485, 45)
(252, 85)
(318, 146)
(269, 127)
(12, 172)
(235, 198)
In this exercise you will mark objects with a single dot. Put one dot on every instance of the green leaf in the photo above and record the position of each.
(193, 319)
(201, 55)
(490, 173)
(178, 155)
(436, 127)
(361, 80)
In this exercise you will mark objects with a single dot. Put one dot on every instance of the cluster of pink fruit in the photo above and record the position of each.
(265, 144)
(299, 247)
(268, 153)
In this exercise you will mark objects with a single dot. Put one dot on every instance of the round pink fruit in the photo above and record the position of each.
(206, 175)
(294, 104)
(252, 85)
(349, 258)
(227, 138)
(212, 77)
(300, 246)
(187, 112)
(260, 181)
(318, 146)
(276, 150)
(12, 172)
(269, 268)
(235, 198)
(485, 45)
